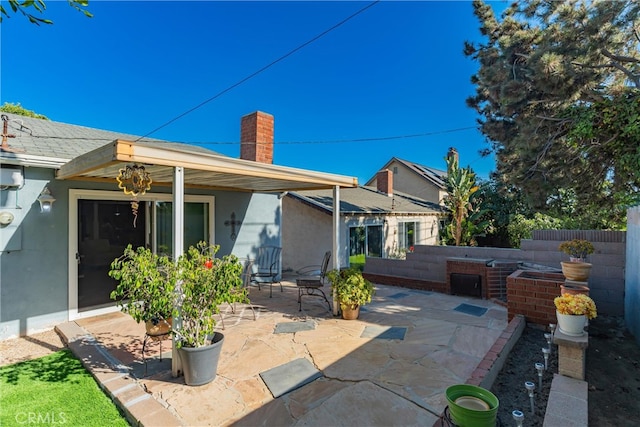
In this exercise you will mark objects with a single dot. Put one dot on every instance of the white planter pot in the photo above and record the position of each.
(570, 324)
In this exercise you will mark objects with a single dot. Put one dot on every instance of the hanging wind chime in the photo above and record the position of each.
(134, 180)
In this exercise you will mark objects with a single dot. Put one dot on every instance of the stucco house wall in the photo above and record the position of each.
(35, 268)
(632, 273)
(307, 233)
(406, 181)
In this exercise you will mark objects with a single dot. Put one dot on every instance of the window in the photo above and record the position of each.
(364, 240)
(374, 241)
(196, 225)
(407, 234)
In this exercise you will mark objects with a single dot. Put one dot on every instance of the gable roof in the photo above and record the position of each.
(82, 153)
(60, 142)
(366, 200)
(436, 177)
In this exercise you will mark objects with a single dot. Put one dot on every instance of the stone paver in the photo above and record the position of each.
(366, 381)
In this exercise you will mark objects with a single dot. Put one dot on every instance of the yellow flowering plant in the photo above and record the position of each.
(576, 305)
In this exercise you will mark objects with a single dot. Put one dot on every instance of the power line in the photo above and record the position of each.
(330, 141)
(250, 76)
(341, 141)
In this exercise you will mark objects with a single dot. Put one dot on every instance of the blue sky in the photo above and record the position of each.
(396, 69)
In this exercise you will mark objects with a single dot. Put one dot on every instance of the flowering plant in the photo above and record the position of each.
(577, 248)
(576, 305)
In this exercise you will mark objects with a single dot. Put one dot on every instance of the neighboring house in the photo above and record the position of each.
(420, 181)
(373, 222)
(54, 261)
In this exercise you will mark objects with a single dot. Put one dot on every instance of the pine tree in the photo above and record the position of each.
(558, 91)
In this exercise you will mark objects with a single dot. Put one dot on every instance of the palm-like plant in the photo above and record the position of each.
(460, 199)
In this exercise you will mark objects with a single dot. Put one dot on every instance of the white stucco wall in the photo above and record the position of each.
(632, 273)
(406, 181)
(307, 233)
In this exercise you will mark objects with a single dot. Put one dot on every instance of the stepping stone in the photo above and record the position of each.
(292, 327)
(399, 295)
(384, 332)
(473, 310)
(290, 376)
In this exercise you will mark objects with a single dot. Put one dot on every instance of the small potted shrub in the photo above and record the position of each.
(145, 290)
(351, 290)
(577, 249)
(573, 311)
(576, 269)
(204, 282)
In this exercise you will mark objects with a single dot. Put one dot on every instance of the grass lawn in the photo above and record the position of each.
(54, 389)
(357, 261)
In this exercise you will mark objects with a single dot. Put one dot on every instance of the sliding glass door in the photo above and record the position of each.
(105, 227)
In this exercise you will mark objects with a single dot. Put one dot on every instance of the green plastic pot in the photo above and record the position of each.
(466, 417)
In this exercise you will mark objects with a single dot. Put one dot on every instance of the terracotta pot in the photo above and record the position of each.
(570, 324)
(573, 289)
(350, 314)
(576, 271)
(160, 328)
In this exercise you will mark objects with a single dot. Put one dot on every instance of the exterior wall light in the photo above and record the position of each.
(46, 200)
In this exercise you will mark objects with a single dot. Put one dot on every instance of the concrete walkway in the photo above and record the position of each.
(369, 374)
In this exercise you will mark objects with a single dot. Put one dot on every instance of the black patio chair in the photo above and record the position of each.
(267, 267)
(312, 281)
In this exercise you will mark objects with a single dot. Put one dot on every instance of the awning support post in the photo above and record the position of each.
(336, 238)
(178, 249)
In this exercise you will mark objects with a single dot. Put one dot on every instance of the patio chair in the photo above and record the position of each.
(246, 281)
(267, 267)
(312, 281)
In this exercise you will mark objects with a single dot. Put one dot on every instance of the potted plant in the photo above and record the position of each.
(573, 311)
(577, 249)
(576, 269)
(351, 290)
(204, 282)
(145, 290)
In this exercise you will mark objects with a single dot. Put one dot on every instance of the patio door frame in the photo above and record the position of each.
(79, 194)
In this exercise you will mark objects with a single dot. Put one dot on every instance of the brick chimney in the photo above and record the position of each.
(256, 137)
(384, 181)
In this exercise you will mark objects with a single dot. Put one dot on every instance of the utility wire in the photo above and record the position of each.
(250, 76)
(330, 141)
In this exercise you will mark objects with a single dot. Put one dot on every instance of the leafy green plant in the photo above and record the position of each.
(205, 282)
(350, 288)
(577, 248)
(146, 284)
(153, 287)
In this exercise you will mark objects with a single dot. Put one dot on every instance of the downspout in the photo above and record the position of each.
(178, 250)
(336, 238)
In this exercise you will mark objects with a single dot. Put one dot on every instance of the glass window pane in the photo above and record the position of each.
(196, 225)
(374, 241)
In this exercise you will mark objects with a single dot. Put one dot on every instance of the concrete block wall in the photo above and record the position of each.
(428, 264)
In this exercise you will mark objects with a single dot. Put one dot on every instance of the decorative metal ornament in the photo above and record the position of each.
(134, 211)
(134, 180)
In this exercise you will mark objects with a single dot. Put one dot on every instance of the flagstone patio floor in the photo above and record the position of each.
(389, 367)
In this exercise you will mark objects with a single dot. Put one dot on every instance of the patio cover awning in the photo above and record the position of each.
(202, 169)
